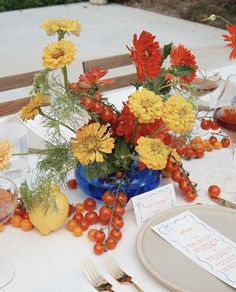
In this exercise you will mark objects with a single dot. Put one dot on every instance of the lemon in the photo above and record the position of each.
(53, 218)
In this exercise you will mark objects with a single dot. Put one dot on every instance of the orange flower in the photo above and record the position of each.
(182, 56)
(146, 55)
(231, 39)
(90, 79)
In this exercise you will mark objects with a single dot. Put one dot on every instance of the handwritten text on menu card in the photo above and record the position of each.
(201, 243)
(148, 204)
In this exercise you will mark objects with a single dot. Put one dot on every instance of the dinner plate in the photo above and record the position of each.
(172, 268)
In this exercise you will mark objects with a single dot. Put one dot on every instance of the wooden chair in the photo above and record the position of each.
(111, 63)
(14, 82)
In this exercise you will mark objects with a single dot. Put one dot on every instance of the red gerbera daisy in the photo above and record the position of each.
(90, 80)
(231, 38)
(146, 55)
(182, 56)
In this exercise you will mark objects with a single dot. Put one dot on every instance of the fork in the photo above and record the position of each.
(94, 277)
(117, 273)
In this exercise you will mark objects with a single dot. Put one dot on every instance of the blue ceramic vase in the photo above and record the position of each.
(136, 182)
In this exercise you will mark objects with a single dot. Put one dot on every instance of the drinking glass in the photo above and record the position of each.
(225, 116)
(8, 201)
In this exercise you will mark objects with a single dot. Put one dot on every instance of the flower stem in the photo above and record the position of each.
(65, 75)
(52, 119)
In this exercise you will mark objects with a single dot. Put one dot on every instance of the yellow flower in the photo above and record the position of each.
(58, 54)
(152, 152)
(54, 25)
(90, 142)
(178, 114)
(31, 110)
(5, 153)
(145, 105)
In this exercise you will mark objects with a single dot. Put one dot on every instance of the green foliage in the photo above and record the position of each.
(166, 50)
(6, 5)
(182, 70)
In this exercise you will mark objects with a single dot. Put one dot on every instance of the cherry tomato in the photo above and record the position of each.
(99, 236)
(205, 124)
(110, 243)
(91, 233)
(116, 234)
(119, 174)
(71, 224)
(91, 217)
(103, 221)
(26, 225)
(89, 204)
(26, 215)
(225, 142)
(97, 108)
(180, 150)
(119, 209)
(189, 153)
(84, 224)
(217, 145)
(72, 183)
(87, 103)
(78, 218)
(199, 152)
(16, 220)
(106, 115)
(171, 166)
(79, 208)
(214, 125)
(177, 176)
(77, 231)
(212, 140)
(213, 191)
(122, 198)
(20, 210)
(105, 212)
(118, 222)
(196, 140)
(184, 186)
(108, 197)
(98, 248)
(190, 195)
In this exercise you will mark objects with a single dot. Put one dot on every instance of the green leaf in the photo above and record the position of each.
(166, 50)
(182, 70)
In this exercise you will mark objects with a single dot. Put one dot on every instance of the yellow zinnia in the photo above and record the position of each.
(145, 105)
(54, 25)
(31, 110)
(5, 153)
(58, 54)
(152, 152)
(178, 114)
(90, 142)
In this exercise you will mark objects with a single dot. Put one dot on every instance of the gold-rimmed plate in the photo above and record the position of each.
(168, 265)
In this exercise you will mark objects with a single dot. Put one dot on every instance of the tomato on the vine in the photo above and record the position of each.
(84, 224)
(110, 243)
(122, 198)
(108, 197)
(225, 142)
(213, 191)
(177, 176)
(98, 248)
(119, 209)
(78, 218)
(199, 152)
(205, 124)
(184, 186)
(91, 217)
(171, 166)
(89, 204)
(189, 153)
(212, 140)
(180, 150)
(118, 222)
(190, 195)
(214, 125)
(91, 233)
(99, 236)
(72, 184)
(116, 234)
(105, 212)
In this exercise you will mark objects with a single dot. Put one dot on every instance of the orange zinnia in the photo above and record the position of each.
(90, 80)
(146, 55)
(231, 39)
(182, 56)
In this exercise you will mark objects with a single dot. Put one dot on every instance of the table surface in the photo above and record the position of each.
(52, 263)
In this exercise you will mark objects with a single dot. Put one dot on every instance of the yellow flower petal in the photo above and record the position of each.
(5, 153)
(54, 25)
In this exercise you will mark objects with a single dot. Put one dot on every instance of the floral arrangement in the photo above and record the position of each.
(151, 132)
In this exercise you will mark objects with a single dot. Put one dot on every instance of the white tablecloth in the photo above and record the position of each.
(52, 263)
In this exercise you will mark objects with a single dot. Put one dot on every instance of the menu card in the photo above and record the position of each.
(201, 243)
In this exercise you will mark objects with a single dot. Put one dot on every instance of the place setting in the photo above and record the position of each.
(142, 188)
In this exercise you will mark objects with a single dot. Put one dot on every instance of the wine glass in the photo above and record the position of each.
(225, 116)
(8, 201)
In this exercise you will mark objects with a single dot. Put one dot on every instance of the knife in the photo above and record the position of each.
(224, 203)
